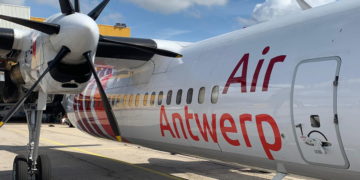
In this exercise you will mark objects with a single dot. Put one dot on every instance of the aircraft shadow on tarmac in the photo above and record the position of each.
(73, 165)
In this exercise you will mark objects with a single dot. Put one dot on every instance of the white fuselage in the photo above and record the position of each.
(273, 78)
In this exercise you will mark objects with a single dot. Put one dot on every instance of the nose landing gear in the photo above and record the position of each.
(34, 166)
(21, 169)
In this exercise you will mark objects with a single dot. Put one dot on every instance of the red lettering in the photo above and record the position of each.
(165, 127)
(270, 69)
(260, 119)
(189, 116)
(242, 79)
(206, 128)
(256, 76)
(243, 119)
(178, 117)
(231, 129)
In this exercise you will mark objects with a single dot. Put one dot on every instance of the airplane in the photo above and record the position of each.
(280, 95)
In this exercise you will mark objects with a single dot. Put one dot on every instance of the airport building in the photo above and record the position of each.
(119, 29)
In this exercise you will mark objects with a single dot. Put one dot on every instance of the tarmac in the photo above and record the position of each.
(76, 155)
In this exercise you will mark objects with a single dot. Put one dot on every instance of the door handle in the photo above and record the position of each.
(301, 128)
(318, 145)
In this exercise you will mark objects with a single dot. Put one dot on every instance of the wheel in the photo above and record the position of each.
(20, 168)
(44, 168)
(67, 122)
(70, 125)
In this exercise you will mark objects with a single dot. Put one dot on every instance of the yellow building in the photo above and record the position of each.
(105, 30)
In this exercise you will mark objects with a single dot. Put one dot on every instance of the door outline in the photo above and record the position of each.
(337, 129)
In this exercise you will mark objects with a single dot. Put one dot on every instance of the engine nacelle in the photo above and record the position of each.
(7, 38)
(10, 43)
(67, 79)
(11, 91)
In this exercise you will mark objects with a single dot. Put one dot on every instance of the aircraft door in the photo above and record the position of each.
(314, 112)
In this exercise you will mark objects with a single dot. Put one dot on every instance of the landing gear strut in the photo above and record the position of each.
(34, 166)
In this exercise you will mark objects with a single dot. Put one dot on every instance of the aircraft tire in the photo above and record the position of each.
(20, 168)
(44, 168)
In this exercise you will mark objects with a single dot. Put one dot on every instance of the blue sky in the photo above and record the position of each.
(192, 24)
(181, 20)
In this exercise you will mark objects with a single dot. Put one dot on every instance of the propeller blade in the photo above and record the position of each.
(44, 27)
(62, 53)
(303, 4)
(66, 7)
(95, 13)
(77, 5)
(105, 100)
(143, 48)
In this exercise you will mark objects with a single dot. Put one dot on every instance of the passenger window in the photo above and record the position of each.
(179, 96)
(120, 100)
(201, 98)
(215, 94)
(189, 96)
(160, 98)
(131, 98)
(114, 100)
(145, 100)
(125, 100)
(152, 99)
(137, 100)
(169, 97)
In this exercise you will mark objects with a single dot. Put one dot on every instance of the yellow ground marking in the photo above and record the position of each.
(99, 149)
(104, 157)
(118, 138)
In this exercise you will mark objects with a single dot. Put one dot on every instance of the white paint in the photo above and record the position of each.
(325, 32)
(78, 32)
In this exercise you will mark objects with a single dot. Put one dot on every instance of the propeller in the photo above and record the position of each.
(66, 7)
(54, 29)
(77, 5)
(95, 13)
(47, 28)
(104, 98)
(52, 64)
(303, 4)
(143, 48)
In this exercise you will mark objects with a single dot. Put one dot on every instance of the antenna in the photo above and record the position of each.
(303, 4)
